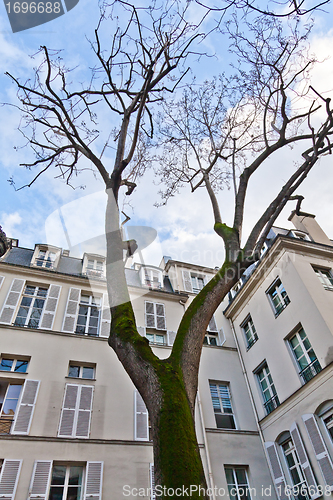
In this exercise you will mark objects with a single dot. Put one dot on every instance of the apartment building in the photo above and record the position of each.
(73, 426)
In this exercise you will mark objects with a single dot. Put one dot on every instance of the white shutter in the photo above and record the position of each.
(160, 317)
(141, 431)
(152, 482)
(212, 325)
(141, 331)
(40, 480)
(71, 310)
(319, 447)
(2, 279)
(150, 314)
(9, 478)
(12, 299)
(304, 461)
(93, 481)
(26, 407)
(221, 336)
(50, 307)
(276, 470)
(84, 411)
(105, 321)
(171, 337)
(187, 281)
(67, 419)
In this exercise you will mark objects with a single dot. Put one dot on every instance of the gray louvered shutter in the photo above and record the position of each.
(212, 325)
(152, 482)
(85, 399)
(50, 307)
(2, 279)
(26, 407)
(304, 461)
(93, 481)
(276, 470)
(40, 480)
(319, 447)
(171, 337)
(9, 478)
(68, 412)
(13, 297)
(105, 321)
(150, 314)
(160, 317)
(141, 431)
(187, 281)
(71, 310)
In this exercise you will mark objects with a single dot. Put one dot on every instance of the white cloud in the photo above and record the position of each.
(9, 223)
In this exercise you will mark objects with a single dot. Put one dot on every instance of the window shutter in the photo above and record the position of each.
(160, 317)
(13, 297)
(71, 310)
(305, 464)
(152, 482)
(212, 325)
(66, 427)
(221, 336)
(150, 314)
(141, 432)
(26, 407)
(40, 480)
(9, 478)
(319, 447)
(276, 470)
(50, 307)
(84, 411)
(171, 337)
(2, 278)
(141, 331)
(93, 481)
(105, 322)
(187, 281)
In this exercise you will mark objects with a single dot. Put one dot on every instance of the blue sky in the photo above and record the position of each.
(185, 225)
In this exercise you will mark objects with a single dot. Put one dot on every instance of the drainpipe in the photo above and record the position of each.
(209, 466)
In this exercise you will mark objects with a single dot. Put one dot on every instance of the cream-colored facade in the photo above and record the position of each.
(72, 425)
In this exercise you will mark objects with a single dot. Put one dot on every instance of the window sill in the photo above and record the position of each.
(80, 378)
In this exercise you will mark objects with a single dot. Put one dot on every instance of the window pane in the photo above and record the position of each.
(73, 493)
(229, 476)
(58, 474)
(14, 391)
(87, 372)
(74, 371)
(241, 476)
(21, 366)
(56, 493)
(6, 364)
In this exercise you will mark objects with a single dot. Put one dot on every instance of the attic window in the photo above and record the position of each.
(93, 266)
(45, 257)
(151, 277)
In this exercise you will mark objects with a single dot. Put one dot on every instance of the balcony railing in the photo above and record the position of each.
(310, 371)
(5, 425)
(271, 404)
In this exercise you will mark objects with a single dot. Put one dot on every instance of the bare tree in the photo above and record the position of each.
(219, 126)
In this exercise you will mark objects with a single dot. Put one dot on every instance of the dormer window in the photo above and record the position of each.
(193, 282)
(93, 265)
(152, 277)
(45, 257)
(301, 235)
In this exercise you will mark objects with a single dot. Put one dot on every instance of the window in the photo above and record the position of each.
(95, 268)
(237, 482)
(31, 307)
(198, 283)
(155, 315)
(45, 258)
(221, 400)
(80, 371)
(153, 278)
(295, 469)
(88, 316)
(278, 297)
(66, 482)
(156, 338)
(271, 400)
(306, 359)
(211, 337)
(325, 277)
(328, 422)
(250, 332)
(9, 364)
(9, 396)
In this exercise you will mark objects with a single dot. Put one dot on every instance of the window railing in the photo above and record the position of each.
(95, 273)
(271, 404)
(310, 371)
(42, 262)
(5, 425)
(156, 285)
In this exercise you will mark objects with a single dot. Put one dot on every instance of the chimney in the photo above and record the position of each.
(65, 253)
(307, 223)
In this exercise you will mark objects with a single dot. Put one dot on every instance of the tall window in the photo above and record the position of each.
(221, 400)
(9, 396)
(88, 317)
(237, 482)
(278, 297)
(305, 356)
(198, 283)
(268, 391)
(325, 277)
(300, 491)
(249, 332)
(211, 337)
(31, 307)
(45, 259)
(66, 482)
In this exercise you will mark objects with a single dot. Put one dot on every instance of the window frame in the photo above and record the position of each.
(90, 305)
(156, 316)
(222, 408)
(313, 367)
(236, 485)
(81, 367)
(324, 275)
(67, 478)
(254, 336)
(194, 279)
(297, 465)
(31, 307)
(277, 287)
(16, 359)
(9, 419)
(273, 402)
